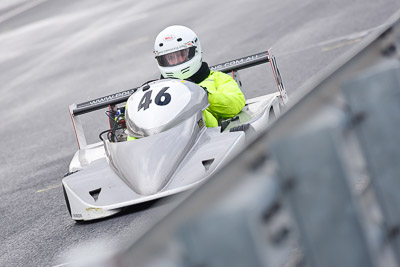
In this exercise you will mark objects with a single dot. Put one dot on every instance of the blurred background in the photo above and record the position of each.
(57, 52)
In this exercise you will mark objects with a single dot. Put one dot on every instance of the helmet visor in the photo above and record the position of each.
(177, 57)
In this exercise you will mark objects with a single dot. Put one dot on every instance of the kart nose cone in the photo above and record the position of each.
(147, 164)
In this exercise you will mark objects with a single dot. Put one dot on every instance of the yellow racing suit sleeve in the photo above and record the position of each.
(209, 119)
(225, 97)
(130, 138)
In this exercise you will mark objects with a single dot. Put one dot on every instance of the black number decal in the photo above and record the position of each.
(146, 100)
(162, 97)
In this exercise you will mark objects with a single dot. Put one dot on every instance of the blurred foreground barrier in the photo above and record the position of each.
(374, 104)
(319, 187)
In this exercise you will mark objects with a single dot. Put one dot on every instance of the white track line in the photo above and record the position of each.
(21, 9)
(48, 188)
(346, 39)
(351, 36)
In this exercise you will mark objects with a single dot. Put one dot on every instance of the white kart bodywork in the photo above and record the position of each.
(176, 152)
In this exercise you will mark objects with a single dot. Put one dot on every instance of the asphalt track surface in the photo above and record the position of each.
(58, 52)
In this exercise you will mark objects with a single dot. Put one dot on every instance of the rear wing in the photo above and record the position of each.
(231, 67)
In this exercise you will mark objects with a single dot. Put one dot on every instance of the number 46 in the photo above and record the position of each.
(162, 99)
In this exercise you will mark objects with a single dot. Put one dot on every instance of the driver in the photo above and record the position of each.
(178, 53)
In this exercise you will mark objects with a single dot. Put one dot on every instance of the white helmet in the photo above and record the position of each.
(178, 52)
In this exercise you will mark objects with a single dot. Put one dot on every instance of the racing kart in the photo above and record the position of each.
(173, 152)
